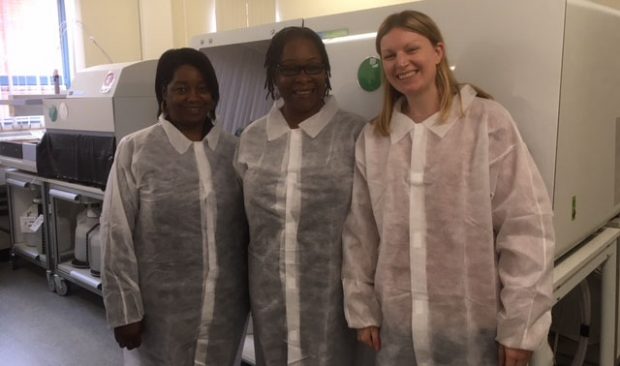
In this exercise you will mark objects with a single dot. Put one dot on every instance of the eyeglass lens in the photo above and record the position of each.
(292, 70)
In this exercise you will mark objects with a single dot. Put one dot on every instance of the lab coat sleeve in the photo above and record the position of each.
(522, 220)
(121, 288)
(360, 251)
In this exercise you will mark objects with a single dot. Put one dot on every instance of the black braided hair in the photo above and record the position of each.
(274, 54)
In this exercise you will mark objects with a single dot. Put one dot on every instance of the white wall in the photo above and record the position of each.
(611, 3)
(130, 30)
(293, 9)
(234, 14)
(112, 26)
(191, 17)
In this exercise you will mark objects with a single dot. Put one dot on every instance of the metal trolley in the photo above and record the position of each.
(73, 231)
(29, 234)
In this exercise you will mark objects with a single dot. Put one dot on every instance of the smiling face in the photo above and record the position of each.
(188, 99)
(301, 79)
(410, 62)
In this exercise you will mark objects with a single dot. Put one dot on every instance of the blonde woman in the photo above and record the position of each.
(448, 248)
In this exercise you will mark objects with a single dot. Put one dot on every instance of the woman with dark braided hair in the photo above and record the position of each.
(174, 231)
(296, 164)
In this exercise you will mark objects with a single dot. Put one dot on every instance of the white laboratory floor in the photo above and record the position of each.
(40, 328)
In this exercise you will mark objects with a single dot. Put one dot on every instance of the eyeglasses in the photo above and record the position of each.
(293, 70)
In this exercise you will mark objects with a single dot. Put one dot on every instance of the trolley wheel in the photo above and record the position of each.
(62, 286)
(14, 262)
(51, 285)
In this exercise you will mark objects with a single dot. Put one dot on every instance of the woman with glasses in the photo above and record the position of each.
(296, 164)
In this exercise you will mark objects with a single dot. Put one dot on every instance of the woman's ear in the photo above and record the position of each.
(440, 50)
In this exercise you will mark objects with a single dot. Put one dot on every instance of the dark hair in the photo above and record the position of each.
(274, 53)
(171, 60)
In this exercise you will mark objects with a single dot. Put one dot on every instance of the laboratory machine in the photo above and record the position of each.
(104, 104)
(555, 65)
(56, 177)
(21, 131)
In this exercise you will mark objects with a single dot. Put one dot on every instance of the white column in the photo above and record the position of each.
(235, 14)
(156, 32)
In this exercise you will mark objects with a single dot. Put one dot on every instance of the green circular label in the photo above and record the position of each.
(369, 74)
(52, 112)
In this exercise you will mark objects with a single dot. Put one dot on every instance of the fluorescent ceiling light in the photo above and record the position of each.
(351, 38)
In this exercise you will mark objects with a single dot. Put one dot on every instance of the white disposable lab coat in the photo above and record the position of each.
(449, 243)
(297, 190)
(175, 246)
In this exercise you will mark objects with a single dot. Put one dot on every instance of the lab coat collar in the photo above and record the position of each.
(214, 136)
(312, 126)
(401, 124)
(181, 143)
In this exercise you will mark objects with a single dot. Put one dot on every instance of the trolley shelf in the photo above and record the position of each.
(30, 253)
(80, 275)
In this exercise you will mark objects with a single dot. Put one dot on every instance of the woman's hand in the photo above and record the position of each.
(129, 335)
(370, 336)
(513, 356)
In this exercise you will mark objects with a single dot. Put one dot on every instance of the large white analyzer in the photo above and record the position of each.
(105, 103)
(555, 65)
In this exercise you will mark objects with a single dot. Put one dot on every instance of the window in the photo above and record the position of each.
(31, 47)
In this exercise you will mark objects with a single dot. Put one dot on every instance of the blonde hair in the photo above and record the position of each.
(447, 86)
